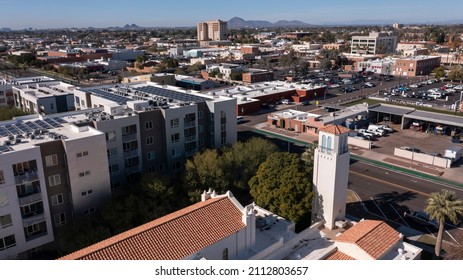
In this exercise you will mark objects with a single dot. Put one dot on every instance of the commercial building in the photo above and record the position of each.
(257, 76)
(374, 43)
(416, 66)
(212, 30)
(379, 66)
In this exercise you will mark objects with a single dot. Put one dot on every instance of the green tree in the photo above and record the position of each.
(442, 205)
(456, 73)
(242, 161)
(325, 64)
(283, 185)
(439, 72)
(7, 113)
(204, 171)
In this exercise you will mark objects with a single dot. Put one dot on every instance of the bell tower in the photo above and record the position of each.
(330, 175)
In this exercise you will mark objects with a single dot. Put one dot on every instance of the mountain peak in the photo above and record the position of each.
(237, 22)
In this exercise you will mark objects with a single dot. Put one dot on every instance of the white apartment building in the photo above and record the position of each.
(374, 43)
(25, 220)
(50, 172)
(5, 92)
(43, 97)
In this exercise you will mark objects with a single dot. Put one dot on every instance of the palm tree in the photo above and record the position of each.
(443, 205)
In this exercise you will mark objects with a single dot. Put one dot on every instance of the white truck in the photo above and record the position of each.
(454, 153)
(377, 129)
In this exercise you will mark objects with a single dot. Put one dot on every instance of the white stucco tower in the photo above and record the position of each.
(330, 175)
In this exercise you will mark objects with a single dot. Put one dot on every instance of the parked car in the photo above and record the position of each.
(386, 128)
(411, 149)
(421, 218)
(365, 132)
(285, 101)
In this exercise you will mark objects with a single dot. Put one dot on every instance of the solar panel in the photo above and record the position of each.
(42, 124)
(51, 122)
(110, 96)
(4, 149)
(3, 132)
(11, 129)
(22, 127)
(59, 120)
(32, 125)
(170, 94)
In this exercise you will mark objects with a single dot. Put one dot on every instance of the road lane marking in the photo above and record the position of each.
(389, 183)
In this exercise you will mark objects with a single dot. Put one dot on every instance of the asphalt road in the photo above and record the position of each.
(389, 194)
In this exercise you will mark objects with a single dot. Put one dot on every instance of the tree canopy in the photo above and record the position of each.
(283, 185)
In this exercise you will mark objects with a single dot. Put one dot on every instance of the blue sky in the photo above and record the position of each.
(19, 14)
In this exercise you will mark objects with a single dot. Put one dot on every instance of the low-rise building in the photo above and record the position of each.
(374, 43)
(416, 66)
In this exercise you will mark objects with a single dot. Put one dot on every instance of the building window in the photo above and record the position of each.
(200, 128)
(110, 136)
(176, 166)
(112, 153)
(60, 219)
(150, 155)
(174, 123)
(3, 199)
(174, 138)
(225, 254)
(149, 140)
(2, 178)
(7, 242)
(82, 154)
(223, 141)
(148, 125)
(323, 143)
(114, 169)
(176, 153)
(51, 160)
(54, 180)
(87, 192)
(328, 143)
(89, 211)
(85, 173)
(5, 221)
(57, 199)
(200, 114)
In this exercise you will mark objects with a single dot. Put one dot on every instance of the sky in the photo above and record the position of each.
(19, 14)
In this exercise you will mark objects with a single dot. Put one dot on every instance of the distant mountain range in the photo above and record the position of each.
(236, 23)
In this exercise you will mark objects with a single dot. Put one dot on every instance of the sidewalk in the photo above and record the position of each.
(452, 176)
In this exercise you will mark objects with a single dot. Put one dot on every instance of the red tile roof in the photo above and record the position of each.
(373, 237)
(339, 256)
(174, 236)
(334, 129)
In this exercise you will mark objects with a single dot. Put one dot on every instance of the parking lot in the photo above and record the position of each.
(446, 96)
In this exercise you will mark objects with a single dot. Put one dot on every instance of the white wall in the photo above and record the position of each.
(96, 162)
(229, 107)
(366, 144)
(13, 208)
(424, 158)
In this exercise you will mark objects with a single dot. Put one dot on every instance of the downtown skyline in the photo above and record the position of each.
(100, 14)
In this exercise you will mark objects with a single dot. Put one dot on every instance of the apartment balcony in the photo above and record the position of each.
(30, 199)
(129, 137)
(32, 216)
(130, 154)
(189, 124)
(191, 138)
(131, 170)
(190, 153)
(25, 177)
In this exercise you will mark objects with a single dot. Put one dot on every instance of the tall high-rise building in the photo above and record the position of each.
(215, 30)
